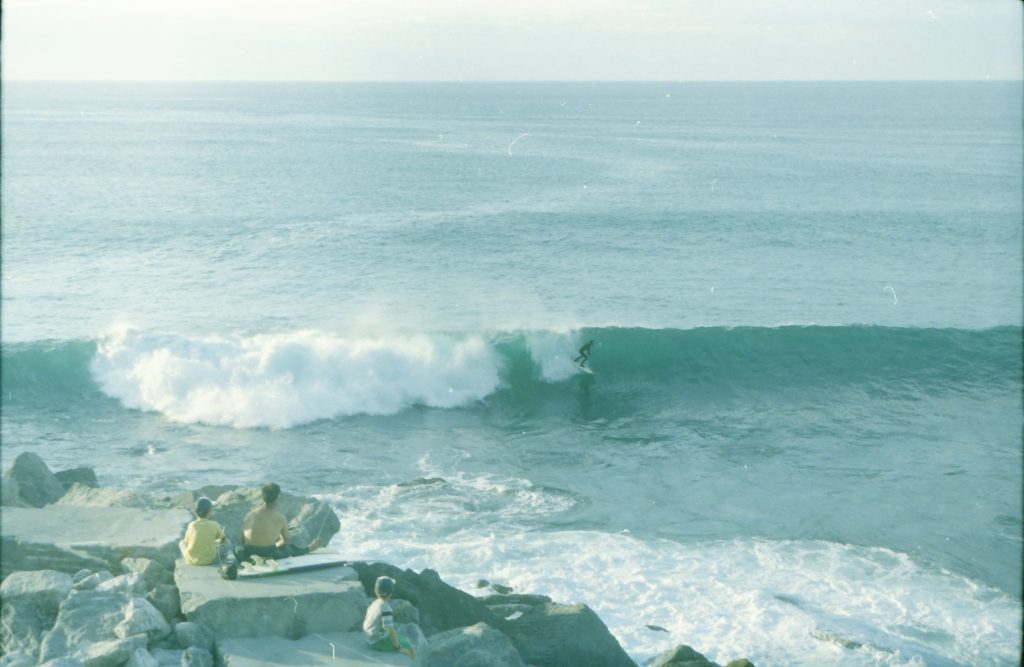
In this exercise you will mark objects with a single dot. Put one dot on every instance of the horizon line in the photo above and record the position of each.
(511, 81)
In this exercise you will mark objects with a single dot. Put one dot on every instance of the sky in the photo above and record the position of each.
(505, 40)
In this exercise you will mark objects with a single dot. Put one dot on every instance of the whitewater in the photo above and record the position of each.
(801, 439)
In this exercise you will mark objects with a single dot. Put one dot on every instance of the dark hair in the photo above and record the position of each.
(271, 492)
(203, 507)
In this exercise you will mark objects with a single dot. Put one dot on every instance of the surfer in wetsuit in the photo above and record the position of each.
(584, 353)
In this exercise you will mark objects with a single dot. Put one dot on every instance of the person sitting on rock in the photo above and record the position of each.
(202, 537)
(265, 530)
(379, 623)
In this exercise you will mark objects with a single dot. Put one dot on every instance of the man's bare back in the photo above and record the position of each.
(265, 527)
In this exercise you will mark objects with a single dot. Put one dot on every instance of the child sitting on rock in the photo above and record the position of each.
(379, 624)
(202, 536)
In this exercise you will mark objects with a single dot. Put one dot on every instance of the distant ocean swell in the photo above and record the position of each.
(286, 379)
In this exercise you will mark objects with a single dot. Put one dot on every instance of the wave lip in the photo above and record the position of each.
(281, 380)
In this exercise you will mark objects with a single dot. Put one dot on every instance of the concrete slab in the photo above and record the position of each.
(289, 605)
(338, 649)
(68, 538)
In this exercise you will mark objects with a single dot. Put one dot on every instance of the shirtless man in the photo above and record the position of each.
(265, 530)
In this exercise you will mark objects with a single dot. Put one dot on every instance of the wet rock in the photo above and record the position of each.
(742, 662)
(680, 656)
(10, 494)
(476, 646)
(441, 607)
(35, 484)
(82, 475)
(552, 635)
(405, 612)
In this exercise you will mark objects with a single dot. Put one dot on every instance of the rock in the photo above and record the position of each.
(82, 495)
(307, 517)
(91, 581)
(195, 656)
(476, 646)
(742, 662)
(680, 656)
(194, 634)
(17, 660)
(441, 607)
(61, 662)
(129, 584)
(142, 617)
(501, 590)
(68, 538)
(551, 635)
(80, 575)
(328, 649)
(81, 475)
(142, 658)
(512, 606)
(166, 657)
(10, 494)
(31, 601)
(165, 598)
(22, 627)
(35, 483)
(109, 653)
(516, 598)
(301, 603)
(152, 572)
(85, 617)
(46, 588)
(405, 612)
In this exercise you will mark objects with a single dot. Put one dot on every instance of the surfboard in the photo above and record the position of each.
(585, 369)
(290, 565)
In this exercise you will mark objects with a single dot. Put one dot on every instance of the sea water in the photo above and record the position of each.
(801, 442)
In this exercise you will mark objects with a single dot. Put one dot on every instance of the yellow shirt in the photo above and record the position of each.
(200, 544)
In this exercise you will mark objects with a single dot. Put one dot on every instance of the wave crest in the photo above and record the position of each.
(281, 380)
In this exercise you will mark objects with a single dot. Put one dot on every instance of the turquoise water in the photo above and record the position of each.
(803, 428)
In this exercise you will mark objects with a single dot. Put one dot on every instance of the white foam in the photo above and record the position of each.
(280, 380)
(775, 602)
(553, 353)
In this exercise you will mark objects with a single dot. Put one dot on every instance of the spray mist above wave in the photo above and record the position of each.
(281, 380)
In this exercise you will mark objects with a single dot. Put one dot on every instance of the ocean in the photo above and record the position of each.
(801, 441)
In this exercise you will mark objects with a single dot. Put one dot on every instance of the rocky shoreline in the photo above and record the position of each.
(92, 578)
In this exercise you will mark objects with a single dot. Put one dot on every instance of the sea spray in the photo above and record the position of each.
(779, 602)
(279, 380)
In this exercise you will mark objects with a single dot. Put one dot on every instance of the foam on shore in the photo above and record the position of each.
(776, 602)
